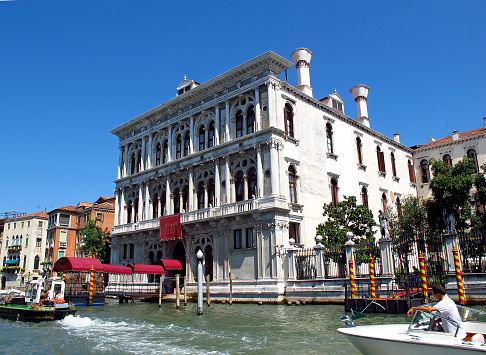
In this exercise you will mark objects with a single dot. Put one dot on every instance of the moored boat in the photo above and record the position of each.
(43, 301)
(422, 336)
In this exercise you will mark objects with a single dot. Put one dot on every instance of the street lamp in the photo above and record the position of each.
(199, 255)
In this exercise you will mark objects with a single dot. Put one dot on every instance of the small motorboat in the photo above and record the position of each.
(43, 301)
(423, 335)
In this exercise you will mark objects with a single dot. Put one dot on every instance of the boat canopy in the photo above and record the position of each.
(147, 269)
(11, 262)
(169, 264)
(117, 269)
(77, 264)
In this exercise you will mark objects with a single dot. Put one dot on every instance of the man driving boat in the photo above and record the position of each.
(447, 309)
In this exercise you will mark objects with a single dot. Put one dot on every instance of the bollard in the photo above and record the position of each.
(372, 277)
(423, 277)
(351, 278)
(460, 287)
(208, 296)
(231, 289)
(178, 291)
(91, 281)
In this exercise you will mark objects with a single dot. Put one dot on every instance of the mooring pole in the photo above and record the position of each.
(460, 287)
(351, 278)
(185, 293)
(208, 296)
(372, 277)
(231, 289)
(423, 277)
(160, 291)
(178, 293)
(199, 283)
(91, 282)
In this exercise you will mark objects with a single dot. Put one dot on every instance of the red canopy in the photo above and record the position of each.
(77, 264)
(147, 269)
(117, 269)
(169, 264)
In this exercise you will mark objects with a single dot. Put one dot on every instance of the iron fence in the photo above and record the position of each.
(305, 264)
(334, 262)
(363, 251)
(473, 251)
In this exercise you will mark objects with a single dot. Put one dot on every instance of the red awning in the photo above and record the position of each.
(169, 264)
(170, 227)
(147, 269)
(117, 269)
(77, 264)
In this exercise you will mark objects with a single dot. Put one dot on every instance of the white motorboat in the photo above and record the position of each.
(423, 335)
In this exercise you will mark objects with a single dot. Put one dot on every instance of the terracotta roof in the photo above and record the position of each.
(105, 205)
(66, 208)
(40, 214)
(467, 134)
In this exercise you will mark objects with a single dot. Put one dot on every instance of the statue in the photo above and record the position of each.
(449, 219)
(383, 219)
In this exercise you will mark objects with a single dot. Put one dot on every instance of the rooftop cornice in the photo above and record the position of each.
(267, 61)
(448, 144)
(338, 115)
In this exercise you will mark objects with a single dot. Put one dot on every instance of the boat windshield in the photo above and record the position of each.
(471, 314)
(31, 290)
(425, 321)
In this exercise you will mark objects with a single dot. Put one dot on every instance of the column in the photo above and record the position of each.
(216, 125)
(143, 163)
(191, 136)
(122, 207)
(226, 128)
(120, 164)
(117, 207)
(257, 109)
(181, 204)
(271, 104)
(191, 191)
(169, 145)
(217, 184)
(259, 172)
(149, 153)
(386, 256)
(320, 273)
(245, 187)
(451, 241)
(274, 174)
(227, 179)
(140, 203)
(349, 246)
(283, 173)
(206, 202)
(146, 199)
(168, 200)
(125, 163)
(292, 270)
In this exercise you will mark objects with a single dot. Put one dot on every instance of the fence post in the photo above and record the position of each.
(349, 246)
(292, 272)
(319, 259)
(450, 240)
(386, 257)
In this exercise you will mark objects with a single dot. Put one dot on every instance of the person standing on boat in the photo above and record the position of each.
(447, 309)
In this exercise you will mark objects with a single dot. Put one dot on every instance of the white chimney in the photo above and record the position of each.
(484, 119)
(455, 135)
(396, 137)
(430, 139)
(302, 58)
(360, 94)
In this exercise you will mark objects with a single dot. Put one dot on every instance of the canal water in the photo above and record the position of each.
(143, 328)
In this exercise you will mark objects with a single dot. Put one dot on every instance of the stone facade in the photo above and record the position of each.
(248, 161)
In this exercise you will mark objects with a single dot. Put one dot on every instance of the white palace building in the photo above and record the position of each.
(239, 165)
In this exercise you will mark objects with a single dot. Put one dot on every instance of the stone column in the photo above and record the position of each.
(319, 250)
(117, 207)
(274, 173)
(245, 187)
(125, 163)
(140, 203)
(146, 201)
(120, 164)
(386, 256)
(122, 216)
(191, 135)
(206, 202)
(168, 199)
(144, 158)
(349, 246)
(259, 172)
(217, 184)
(191, 190)
(451, 240)
(169, 145)
(216, 125)
(227, 120)
(272, 113)
(227, 179)
(291, 256)
(149, 154)
(257, 109)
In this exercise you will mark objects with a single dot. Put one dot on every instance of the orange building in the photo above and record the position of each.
(65, 224)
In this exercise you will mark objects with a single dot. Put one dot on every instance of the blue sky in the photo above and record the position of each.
(70, 71)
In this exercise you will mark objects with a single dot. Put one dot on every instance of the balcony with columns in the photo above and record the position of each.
(227, 210)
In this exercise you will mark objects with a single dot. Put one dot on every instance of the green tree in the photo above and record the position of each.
(412, 218)
(478, 221)
(451, 188)
(347, 216)
(95, 241)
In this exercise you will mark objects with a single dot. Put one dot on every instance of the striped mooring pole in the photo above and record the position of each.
(460, 287)
(423, 277)
(351, 278)
(91, 281)
(372, 277)
(64, 276)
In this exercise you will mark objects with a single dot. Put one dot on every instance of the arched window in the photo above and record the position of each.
(330, 147)
(364, 196)
(424, 168)
(239, 124)
(447, 159)
(211, 135)
(240, 186)
(384, 203)
(411, 172)
(334, 191)
(250, 120)
(155, 206)
(292, 185)
(200, 195)
(158, 152)
(135, 211)
(289, 120)
(185, 198)
(36, 262)
(359, 149)
(129, 212)
(177, 201)
(211, 193)
(165, 155)
(394, 170)
(471, 153)
(134, 163)
(202, 138)
(252, 183)
(178, 146)
(381, 159)
(187, 142)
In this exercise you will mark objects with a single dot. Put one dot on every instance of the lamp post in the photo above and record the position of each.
(199, 255)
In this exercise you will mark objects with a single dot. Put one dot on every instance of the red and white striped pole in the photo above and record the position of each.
(423, 277)
(351, 278)
(460, 287)
(91, 281)
(372, 277)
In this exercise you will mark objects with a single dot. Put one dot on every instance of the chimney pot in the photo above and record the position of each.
(360, 94)
(455, 135)
(484, 120)
(302, 58)
(396, 137)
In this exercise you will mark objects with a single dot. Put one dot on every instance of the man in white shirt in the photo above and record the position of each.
(447, 309)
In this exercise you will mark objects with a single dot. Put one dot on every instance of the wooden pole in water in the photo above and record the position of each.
(230, 289)
(460, 287)
(208, 296)
(91, 281)
(160, 291)
(185, 293)
(423, 277)
(178, 291)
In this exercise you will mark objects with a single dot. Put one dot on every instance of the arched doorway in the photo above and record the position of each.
(208, 262)
(180, 254)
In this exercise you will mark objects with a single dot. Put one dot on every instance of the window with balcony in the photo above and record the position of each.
(294, 231)
(187, 142)
(36, 262)
(252, 183)
(177, 201)
(155, 206)
(200, 195)
(240, 186)
(211, 193)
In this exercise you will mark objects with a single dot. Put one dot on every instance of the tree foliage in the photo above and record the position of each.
(451, 188)
(95, 241)
(412, 218)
